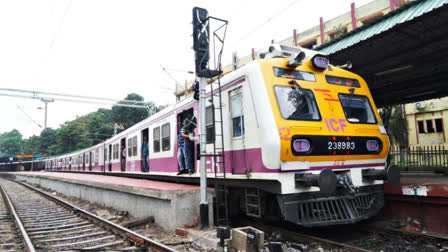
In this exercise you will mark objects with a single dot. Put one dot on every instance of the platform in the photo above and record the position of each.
(172, 205)
(421, 199)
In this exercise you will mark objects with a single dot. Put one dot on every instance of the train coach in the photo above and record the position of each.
(303, 142)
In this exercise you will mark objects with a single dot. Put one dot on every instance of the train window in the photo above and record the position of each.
(335, 80)
(294, 74)
(236, 110)
(209, 125)
(115, 151)
(357, 109)
(166, 137)
(297, 104)
(130, 154)
(156, 141)
(134, 145)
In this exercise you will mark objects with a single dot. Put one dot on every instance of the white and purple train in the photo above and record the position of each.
(304, 138)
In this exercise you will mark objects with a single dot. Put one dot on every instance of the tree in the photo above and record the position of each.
(11, 142)
(398, 127)
(100, 125)
(72, 136)
(129, 116)
(48, 141)
(30, 145)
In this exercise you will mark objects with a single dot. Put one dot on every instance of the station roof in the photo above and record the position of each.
(402, 55)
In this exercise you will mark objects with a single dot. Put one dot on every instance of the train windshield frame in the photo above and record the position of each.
(357, 109)
(294, 74)
(297, 104)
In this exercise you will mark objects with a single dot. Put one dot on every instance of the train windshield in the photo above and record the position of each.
(357, 108)
(297, 104)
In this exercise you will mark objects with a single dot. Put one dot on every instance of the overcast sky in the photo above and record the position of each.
(109, 48)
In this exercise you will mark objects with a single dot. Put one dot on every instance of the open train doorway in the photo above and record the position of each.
(91, 161)
(186, 120)
(109, 164)
(145, 150)
(84, 162)
(123, 154)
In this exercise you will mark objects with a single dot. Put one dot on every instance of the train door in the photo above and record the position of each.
(189, 123)
(144, 158)
(91, 161)
(70, 164)
(83, 161)
(109, 165)
(237, 142)
(123, 154)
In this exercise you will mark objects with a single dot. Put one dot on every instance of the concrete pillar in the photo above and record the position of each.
(353, 14)
(294, 34)
(322, 35)
(392, 5)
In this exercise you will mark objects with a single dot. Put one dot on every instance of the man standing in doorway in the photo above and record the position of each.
(187, 133)
(123, 158)
(145, 154)
(181, 150)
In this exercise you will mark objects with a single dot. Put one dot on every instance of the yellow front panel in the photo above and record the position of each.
(333, 120)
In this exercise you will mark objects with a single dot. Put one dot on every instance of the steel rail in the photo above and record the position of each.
(290, 235)
(29, 245)
(137, 238)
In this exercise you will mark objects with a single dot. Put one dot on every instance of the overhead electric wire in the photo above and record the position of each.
(61, 23)
(29, 117)
(277, 14)
(35, 93)
(79, 101)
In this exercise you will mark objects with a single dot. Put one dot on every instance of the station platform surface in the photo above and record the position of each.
(420, 202)
(172, 205)
(414, 184)
(119, 181)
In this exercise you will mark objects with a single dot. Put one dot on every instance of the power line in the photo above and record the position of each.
(35, 93)
(258, 27)
(29, 117)
(79, 101)
(61, 23)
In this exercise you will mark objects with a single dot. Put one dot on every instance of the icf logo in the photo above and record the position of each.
(335, 124)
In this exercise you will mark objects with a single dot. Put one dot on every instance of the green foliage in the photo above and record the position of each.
(398, 127)
(129, 116)
(81, 133)
(48, 142)
(11, 142)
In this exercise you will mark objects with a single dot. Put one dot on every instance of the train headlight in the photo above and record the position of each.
(320, 61)
(301, 145)
(372, 145)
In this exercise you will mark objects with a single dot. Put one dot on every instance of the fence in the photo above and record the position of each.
(420, 158)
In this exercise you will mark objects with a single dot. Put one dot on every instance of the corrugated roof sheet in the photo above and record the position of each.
(396, 17)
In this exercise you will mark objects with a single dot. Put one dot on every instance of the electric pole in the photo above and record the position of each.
(46, 101)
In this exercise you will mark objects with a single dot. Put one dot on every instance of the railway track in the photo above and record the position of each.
(10, 240)
(46, 223)
(353, 238)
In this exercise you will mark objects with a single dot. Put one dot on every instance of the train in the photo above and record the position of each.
(303, 142)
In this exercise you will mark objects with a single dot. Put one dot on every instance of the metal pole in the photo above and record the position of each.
(202, 137)
(45, 123)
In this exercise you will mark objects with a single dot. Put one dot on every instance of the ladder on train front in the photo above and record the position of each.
(219, 164)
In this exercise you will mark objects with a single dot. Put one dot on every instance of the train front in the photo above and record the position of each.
(333, 144)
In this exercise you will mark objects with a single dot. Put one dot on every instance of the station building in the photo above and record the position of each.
(427, 122)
